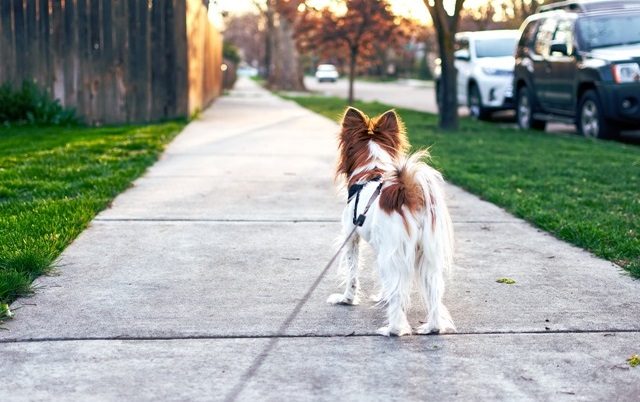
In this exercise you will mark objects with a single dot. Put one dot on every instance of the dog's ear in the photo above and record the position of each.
(390, 131)
(354, 118)
(389, 122)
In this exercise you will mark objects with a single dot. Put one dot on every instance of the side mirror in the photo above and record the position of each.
(559, 47)
(462, 55)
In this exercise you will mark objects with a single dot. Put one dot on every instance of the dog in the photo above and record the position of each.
(407, 225)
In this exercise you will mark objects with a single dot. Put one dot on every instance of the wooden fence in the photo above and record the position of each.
(115, 61)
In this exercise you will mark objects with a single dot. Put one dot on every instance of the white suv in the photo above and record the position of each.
(484, 63)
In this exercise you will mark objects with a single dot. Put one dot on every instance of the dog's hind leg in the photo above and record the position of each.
(395, 278)
(349, 264)
(432, 289)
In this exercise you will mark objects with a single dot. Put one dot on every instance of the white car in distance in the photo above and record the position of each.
(484, 64)
(327, 72)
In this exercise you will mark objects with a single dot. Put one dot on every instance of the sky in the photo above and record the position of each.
(408, 8)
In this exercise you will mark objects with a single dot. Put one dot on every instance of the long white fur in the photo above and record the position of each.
(420, 255)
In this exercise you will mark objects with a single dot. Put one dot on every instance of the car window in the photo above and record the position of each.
(528, 34)
(326, 67)
(461, 44)
(497, 47)
(608, 30)
(461, 48)
(564, 34)
(544, 36)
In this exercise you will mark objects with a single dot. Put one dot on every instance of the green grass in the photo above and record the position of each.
(583, 191)
(376, 78)
(54, 180)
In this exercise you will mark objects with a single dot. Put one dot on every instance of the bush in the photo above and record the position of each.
(30, 104)
(230, 52)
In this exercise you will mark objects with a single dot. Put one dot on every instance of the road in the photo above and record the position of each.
(410, 94)
(419, 95)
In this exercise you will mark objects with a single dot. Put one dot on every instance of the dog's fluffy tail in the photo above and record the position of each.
(418, 189)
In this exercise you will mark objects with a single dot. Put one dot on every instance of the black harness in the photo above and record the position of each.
(354, 191)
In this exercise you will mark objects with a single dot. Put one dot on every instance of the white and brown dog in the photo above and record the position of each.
(408, 225)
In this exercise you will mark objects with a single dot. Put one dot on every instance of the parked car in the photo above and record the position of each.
(579, 62)
(484, 64)
(327, 72)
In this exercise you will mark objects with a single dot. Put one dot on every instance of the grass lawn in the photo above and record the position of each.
(583, 191)
(53, 181)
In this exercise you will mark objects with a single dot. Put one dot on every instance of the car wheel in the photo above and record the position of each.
(476, 110)
(524, 112)
(591, 120)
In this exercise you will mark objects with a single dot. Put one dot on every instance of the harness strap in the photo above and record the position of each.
(354, 189)
(359, 221)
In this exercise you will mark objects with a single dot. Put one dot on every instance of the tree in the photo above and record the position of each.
(282, 59)
(247, 32)
(285, 72)
(479, 18)
(446, 27)
(364, 27)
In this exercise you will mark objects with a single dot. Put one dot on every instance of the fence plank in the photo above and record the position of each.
(19, 34)
(70, 54)
(180, 67)
(120, 35)
(7, 42)
(56, 50)
(109, 102)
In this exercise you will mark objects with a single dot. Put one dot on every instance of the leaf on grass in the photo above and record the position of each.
(5, 312)
(634, 361)
(508, 281)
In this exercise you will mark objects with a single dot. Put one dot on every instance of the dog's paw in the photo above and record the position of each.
(434, 329)
(339, 298)
(376, 297)
(393, 331)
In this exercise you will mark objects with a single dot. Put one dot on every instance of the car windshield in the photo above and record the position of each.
(326, 67)
(608, 30)
(495, 47)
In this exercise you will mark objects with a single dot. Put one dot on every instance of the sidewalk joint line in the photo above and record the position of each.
(216, 220)
(327, 220)
(310, 336)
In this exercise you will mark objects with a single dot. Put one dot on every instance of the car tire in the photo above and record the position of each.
(474, 102)
(590, 118)
(524, 111)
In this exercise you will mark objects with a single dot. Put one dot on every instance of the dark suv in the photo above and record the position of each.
(579, 62)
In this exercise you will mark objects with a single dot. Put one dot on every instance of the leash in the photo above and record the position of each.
(359, 221)
(237, 389)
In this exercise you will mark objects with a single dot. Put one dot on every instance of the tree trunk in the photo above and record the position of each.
(285, 73)
(446, 27)
(448, 112)
(352, 72)
(269, 34)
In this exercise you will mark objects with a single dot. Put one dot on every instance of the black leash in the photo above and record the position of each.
(237, 389)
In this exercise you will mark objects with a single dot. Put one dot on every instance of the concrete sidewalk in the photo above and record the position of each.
(198, 284)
